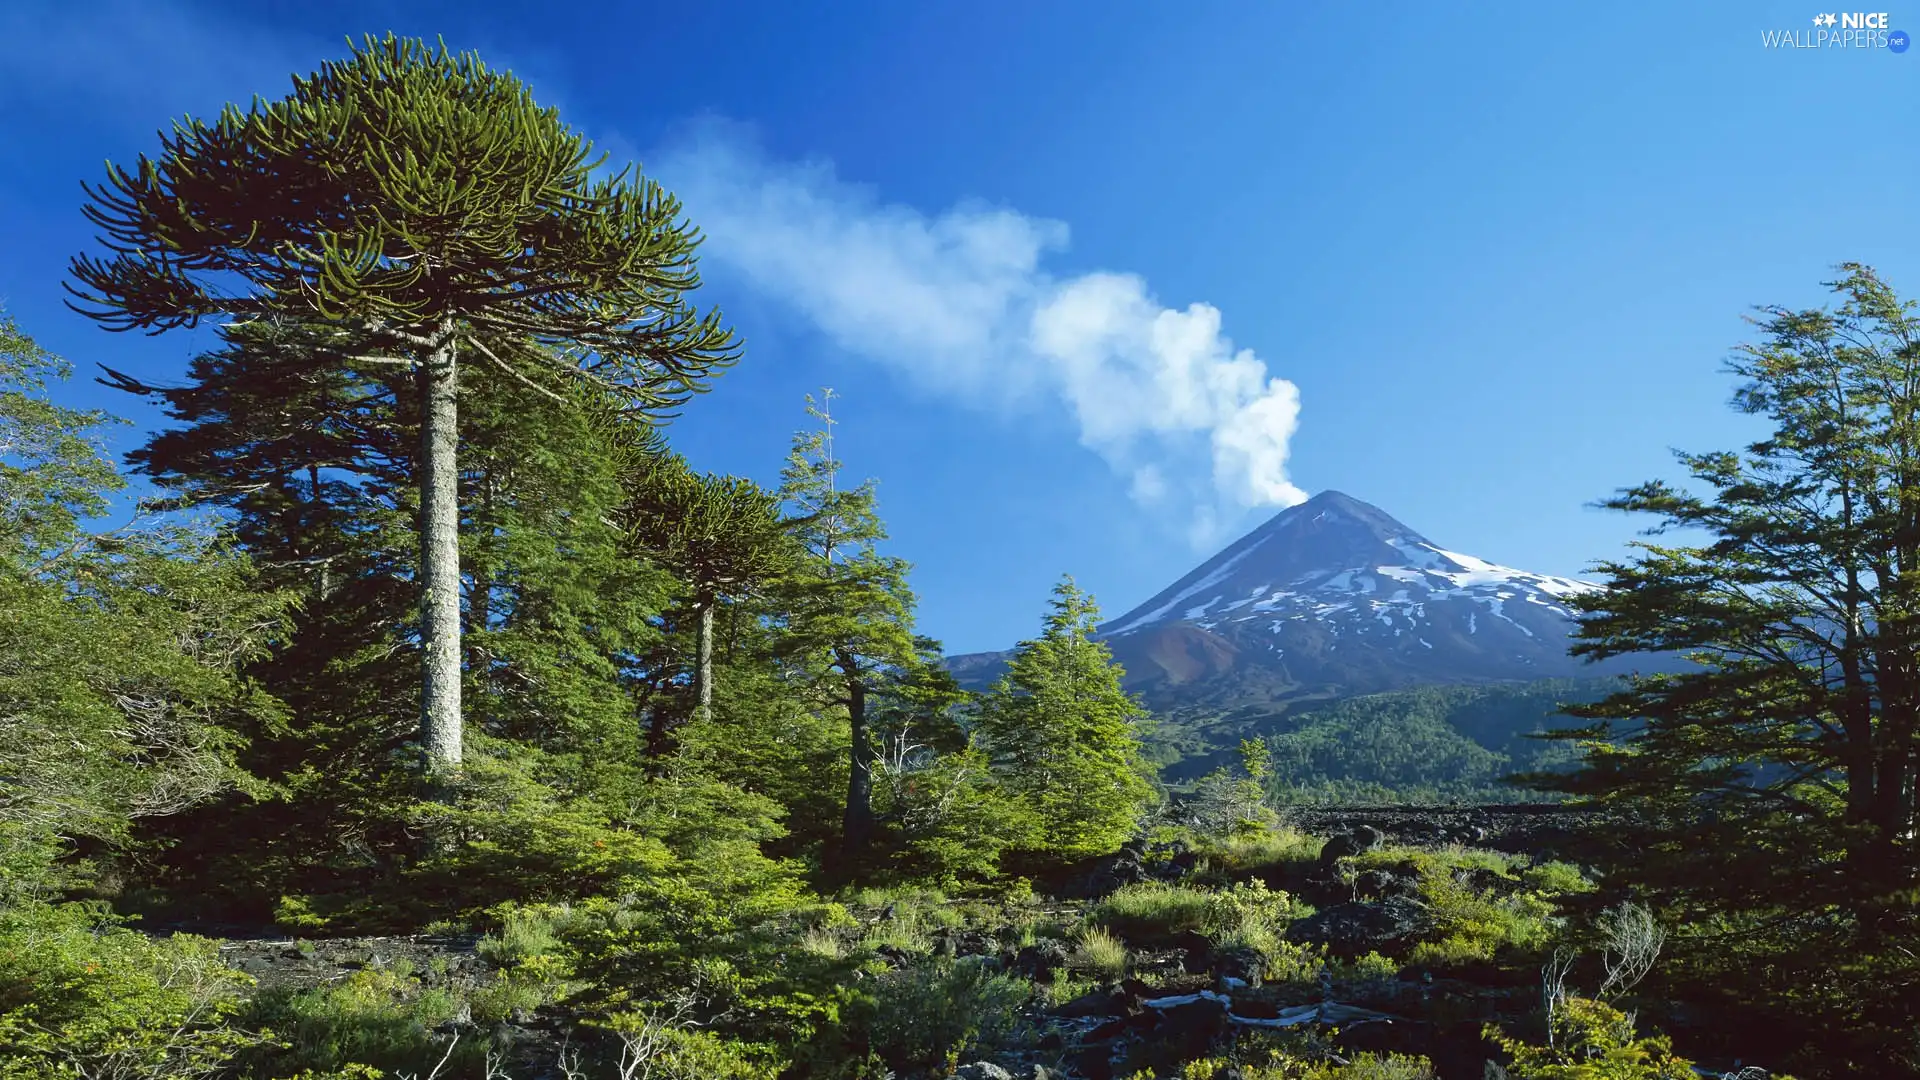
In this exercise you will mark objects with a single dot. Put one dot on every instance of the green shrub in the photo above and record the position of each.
(1156, 913)
(1554, 879)
(928, 1015)
(659, 1049)
(81, 995)
(1591, 1040)
(382, 1019)
(1232, 857)
(1362, 1067)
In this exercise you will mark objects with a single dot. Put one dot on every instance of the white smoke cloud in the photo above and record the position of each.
(961, 302)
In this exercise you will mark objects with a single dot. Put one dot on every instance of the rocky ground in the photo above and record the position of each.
(1176, 1002)
(1519, 828)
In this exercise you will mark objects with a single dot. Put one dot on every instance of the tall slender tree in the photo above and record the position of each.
(848, 609)
(426, 208)
(720, 535)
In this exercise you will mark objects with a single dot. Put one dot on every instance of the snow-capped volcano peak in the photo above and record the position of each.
(1335, 591)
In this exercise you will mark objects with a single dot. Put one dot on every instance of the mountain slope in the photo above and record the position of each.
(1332, 598)
(1335, 597)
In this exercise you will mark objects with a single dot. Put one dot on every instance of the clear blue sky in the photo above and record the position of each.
(1499, 251)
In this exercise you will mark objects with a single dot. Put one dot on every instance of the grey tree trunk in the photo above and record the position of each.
(440, 558)
(703, 666)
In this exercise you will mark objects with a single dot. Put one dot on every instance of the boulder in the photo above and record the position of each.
(1356, 928)
(1380, 884)
(1041, 959)
(1196, 951)
(981, 1070)
(1241, 963)
(1353, 841)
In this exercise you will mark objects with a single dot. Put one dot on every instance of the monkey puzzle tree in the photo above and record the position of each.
(720, 535)
(424, 207)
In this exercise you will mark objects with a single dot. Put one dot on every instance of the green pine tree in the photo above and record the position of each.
(722, 536)
(1063, 735)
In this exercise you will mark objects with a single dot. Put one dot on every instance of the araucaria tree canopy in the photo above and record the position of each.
(424, 209)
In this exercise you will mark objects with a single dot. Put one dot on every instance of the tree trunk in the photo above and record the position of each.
(703, 666)
(440, 558)
(858, 825)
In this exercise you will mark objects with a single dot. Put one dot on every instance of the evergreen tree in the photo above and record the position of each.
(848, 611)
(119, 650)
(425, 207)
(1062, 734)
(314, 467)
(720, 535)
(1770, 791)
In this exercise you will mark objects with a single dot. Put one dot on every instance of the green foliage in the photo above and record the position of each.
(119, 651)
(657, 1047)
(1061, 733)
(1591, 1040)
(1099, 954)
(846, 609)
(1430, 744)
(1483, 903)
(379, 1019)
(1155, 914)
(950, 819)
(323, 202)
(82, 996)
(1239, 855)
(929, 1015)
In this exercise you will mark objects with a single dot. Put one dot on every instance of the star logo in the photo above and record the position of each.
(1830, 20)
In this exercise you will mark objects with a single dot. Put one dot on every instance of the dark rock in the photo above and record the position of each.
(1380, 884)
(1093, 1062)
(1254, 1008)
(1196, 948)
(895, 956)
(1120, 1025)
(1041, 959)
(1096, 1003)
(1353, 929)
(1354, 841)
(1190, 1028)
(1240, 963)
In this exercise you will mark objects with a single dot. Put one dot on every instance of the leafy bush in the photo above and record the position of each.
(81, 995)
(1237, 856)
(1362, 1067)
(1591, 1040)
(929, 1015)
(1482, 902)
(379, 1018)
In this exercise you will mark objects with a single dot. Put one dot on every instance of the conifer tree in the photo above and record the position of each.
(719, 535)
(427, 209)
(1794, 741)
(849, 613)
(119, 650)
(1062, 734)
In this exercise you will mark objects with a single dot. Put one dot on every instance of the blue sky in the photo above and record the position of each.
(1101, 285)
